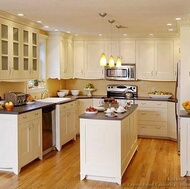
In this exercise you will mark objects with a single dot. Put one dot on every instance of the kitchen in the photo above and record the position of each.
(143, 86)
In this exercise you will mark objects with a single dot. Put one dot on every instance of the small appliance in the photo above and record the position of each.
(128, 92)
(125, 72)
(18, 98)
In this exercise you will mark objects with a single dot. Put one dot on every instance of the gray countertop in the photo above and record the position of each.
(38, 105)
(101, 115)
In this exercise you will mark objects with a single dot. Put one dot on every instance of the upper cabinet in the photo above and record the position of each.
(59, 56)
(18, 49)
(87, 56)
(155, 60)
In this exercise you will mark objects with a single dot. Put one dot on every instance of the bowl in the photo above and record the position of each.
(9, 106)
(74, 92)
(61, 93)
(187, 109)
(64, 90)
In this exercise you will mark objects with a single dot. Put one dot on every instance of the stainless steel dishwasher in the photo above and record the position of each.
(48, 128)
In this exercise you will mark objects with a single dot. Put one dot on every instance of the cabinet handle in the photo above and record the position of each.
(82, 71)
(36, 114)
(143, 113)
(143, 103)
(158, 104)
(151, 72)
(155, 72)
(158, 127)
(24, 117)
(157, 114)
(143, 126)
(9, 70)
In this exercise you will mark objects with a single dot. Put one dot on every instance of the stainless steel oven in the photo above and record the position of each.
(125, 72)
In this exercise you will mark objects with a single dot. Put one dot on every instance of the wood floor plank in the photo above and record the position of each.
(156, 164)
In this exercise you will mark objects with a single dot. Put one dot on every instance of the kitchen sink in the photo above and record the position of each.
(54, 99)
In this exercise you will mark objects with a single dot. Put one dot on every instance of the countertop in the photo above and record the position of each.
(184, 114)
(39, 105)
(101, 115)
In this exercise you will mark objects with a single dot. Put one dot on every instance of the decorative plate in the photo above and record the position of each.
(86, 112)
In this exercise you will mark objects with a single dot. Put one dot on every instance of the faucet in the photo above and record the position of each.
(43, 93)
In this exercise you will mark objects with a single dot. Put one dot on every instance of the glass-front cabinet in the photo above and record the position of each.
(18, 51)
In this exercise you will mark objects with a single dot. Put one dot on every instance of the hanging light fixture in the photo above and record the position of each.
(118, 62)
(103, 61)
(111, 59)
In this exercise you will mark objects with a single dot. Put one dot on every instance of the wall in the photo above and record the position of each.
(100, 85)
(5, 87)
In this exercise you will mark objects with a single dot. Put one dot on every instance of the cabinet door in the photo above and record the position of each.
(176, 56)
(145, 58)
(71, 130)
(164, 64)
(127, 49)
(79, 59)
(171, 121)
(30, 43)
(93, 50)
(63, 128)
(112, 48)
(30, 142)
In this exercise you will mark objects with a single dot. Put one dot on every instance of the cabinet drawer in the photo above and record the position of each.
(25, 117)
(152, 128)
(151, 104)
(152, 115)
(66, 106)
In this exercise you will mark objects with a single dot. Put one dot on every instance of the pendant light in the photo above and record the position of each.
(103, 61)
(118, 62)
(111, 59)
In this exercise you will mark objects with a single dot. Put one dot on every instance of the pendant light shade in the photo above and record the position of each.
(118, 63)
(103, 60)
(103, 56)
(111, 61)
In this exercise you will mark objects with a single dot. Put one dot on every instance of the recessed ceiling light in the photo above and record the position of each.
(151, 34)
(46, 26)
(170, 29)
(39, 21)
(125, 34)
(76, 34)
(100, 34)
(169, 24)
(68, 32)
(20, 14)
(56, 30)
(177, 18)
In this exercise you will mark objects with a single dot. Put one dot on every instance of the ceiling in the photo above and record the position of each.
(140, 17)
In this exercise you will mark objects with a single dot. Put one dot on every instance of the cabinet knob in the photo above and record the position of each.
(143, 113)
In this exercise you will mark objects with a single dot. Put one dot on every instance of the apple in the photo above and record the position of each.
(9, 105)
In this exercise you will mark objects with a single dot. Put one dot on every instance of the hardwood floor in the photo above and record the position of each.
(155, 165)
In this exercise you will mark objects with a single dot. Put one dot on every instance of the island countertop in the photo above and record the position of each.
(102, 116)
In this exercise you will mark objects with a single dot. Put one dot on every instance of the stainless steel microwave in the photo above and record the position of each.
(125, 72)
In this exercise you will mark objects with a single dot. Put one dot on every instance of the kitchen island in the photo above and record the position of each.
(107, 145)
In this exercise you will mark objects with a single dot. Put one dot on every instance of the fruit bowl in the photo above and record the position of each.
(186, 106)
(9, 106)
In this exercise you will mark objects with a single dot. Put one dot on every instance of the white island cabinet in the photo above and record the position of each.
(107, 145)
(21, 139)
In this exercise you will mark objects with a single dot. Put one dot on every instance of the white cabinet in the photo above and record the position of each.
(24, 141)
(145, 54)
(65, 124)
(93, 50)
(152, 118)
(18, 51)
(30, 136)
(82, 105)
(59, 56)
(155, 60)
(171, 121)
(184, 146)
(107, 147)
(128, 52)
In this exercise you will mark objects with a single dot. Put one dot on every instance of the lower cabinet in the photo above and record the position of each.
(184, 146)
(82, 105)
(30, 136)
(152, 118)
(156, 119)
(65, 124)
(21, 139)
